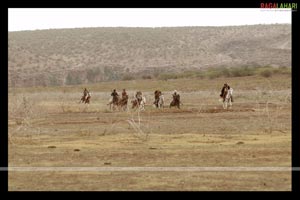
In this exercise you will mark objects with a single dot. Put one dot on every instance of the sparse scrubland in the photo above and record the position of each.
(49, 128)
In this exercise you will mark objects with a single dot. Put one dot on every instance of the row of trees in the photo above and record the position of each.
(108, 74)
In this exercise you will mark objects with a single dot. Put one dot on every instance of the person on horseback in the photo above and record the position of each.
(175, 94)
(225, 87)
(176, 99)
(115, 95)
(222, 95)
(85, 92)
(86, 96)
(138, 96)
(124, 96)
(157, 94)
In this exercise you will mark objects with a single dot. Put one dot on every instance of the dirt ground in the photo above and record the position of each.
(49, 128)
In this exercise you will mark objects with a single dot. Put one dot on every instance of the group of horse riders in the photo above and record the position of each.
(157, 94)
(139, 98)
(116, 100)
(115, 96)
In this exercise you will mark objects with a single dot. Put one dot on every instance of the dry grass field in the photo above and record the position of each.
(49, 128)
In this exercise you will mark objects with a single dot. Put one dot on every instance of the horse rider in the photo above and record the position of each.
(176, 96)
(124, 95)
(115, 95)
(157, 94)
(85, 92)
(225, 86)
(138, 96)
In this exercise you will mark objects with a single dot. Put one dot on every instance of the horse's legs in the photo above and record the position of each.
(225, 104)
(172, 104)
(142, 106)
(230, 103)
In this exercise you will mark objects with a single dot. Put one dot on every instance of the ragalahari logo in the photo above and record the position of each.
(270, 5)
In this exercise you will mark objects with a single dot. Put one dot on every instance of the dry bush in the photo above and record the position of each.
(22, 110)
(269, 118)
(266, 73)
(136, 125)
(64, 105)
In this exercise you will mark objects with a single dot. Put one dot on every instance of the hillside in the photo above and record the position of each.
(89, 55)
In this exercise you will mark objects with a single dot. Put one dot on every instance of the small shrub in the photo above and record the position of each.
(237, 72)
(213, 74)
(73, 79)
(225, 72)
(53, 80)
(127, 77)
(146, 77)
(266, 73)
(200, 75)
(167, 76)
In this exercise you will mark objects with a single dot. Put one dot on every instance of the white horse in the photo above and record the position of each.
(227, 99)
(161, 101)
(110, 102)
(142, 104)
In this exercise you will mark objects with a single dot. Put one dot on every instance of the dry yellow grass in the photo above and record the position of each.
(48, 128)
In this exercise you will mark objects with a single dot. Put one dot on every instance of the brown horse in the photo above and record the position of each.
(176, 101)
(120, 103)
(85, 99)
(123, 102)
(157, 99)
